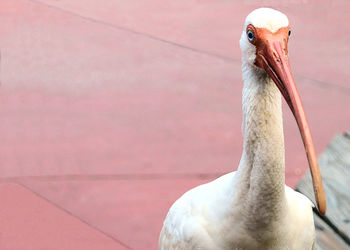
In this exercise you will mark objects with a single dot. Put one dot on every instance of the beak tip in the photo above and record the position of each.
(322, 208)
(322, 212)
(321, 203)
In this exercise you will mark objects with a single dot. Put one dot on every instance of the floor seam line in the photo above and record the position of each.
(155, 38)
(106, 177)
(318, 83)
(71, 214)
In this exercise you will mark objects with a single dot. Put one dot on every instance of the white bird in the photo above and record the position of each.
(252, 208)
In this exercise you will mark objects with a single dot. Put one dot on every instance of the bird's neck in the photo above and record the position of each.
(262, 167)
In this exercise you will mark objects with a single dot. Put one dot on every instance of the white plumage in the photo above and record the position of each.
(211, 216)
(250, 208)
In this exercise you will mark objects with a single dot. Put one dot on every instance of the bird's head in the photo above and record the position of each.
(263, 28)
(264, 45)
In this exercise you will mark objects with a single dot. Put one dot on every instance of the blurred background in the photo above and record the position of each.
(111, 110)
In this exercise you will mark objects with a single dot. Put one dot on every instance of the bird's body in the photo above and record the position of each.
(251, 208)
(208, 217)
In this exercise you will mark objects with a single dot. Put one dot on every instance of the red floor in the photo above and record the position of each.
(112, 109)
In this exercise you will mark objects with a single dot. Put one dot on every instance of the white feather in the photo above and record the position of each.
(208, 217)
(267, 18)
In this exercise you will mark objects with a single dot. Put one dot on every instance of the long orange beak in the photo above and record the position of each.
(274, 59)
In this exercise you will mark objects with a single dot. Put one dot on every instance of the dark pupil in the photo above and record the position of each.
(289, 32)
(250, 35)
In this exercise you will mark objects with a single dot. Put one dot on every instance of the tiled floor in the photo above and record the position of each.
(30, 222)
(112, 109)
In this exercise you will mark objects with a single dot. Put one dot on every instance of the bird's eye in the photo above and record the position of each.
(250, 35)
(289, 32)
